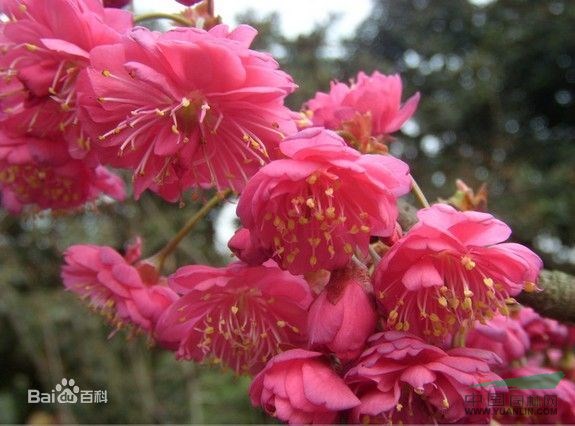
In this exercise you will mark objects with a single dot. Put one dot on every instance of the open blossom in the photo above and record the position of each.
(342, 317)
(40, 172)
(186, 108)
(368, 110)
(451, 269)
(298, 387)
(126, 293)
(400, 378)
(502, 335)
(315, 207)
(238, 316)
(43, 53)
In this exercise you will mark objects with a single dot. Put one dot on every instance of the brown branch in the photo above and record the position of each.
(557, 300)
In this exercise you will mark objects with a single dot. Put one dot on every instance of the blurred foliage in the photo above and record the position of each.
(497, 85)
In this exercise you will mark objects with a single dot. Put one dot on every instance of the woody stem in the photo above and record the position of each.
(211, 9)
(159, 15)
(160, 257)
(418, 193)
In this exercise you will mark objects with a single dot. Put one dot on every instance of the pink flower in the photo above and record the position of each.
(239, 316)
(502, 335)
(369, 109)
(186, 108)
(40, 172)
(343, 316)
(450, 270)
(243, 247)
(399, 378)
(543, 332)
(298, 387)
(124, 292)
(556, 404)
(116, 3)
(46, 45)
(188, 2)
(314, 208)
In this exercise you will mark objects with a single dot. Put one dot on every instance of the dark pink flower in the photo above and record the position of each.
(299, 387)
(502, 335)
(186, 108)
(342, 317)
(543, 333)
(40, 172)
(117, 3)
(238, 316)
(400, 378)
(314, 208)
(450, 270)
(188, 2)
(45, 45)
(369, 109)
(126, 293)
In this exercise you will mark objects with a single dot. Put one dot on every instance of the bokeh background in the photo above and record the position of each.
(497, 80)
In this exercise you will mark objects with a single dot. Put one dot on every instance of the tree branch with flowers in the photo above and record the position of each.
(345, 303)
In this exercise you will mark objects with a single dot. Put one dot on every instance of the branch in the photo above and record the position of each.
(160, 256)
(557, 300)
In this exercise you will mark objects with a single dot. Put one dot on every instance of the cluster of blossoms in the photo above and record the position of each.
(45, 155)
(329, 330)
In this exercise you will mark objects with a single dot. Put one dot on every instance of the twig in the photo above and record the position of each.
(158, 15)
(160, 257)
(418, 193)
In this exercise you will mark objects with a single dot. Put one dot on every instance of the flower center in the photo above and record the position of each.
(26, 180)
(312, 221)
(242, 330)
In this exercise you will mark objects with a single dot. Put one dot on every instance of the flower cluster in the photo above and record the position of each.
(338, 312)
(86, 80)
(45, 156)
